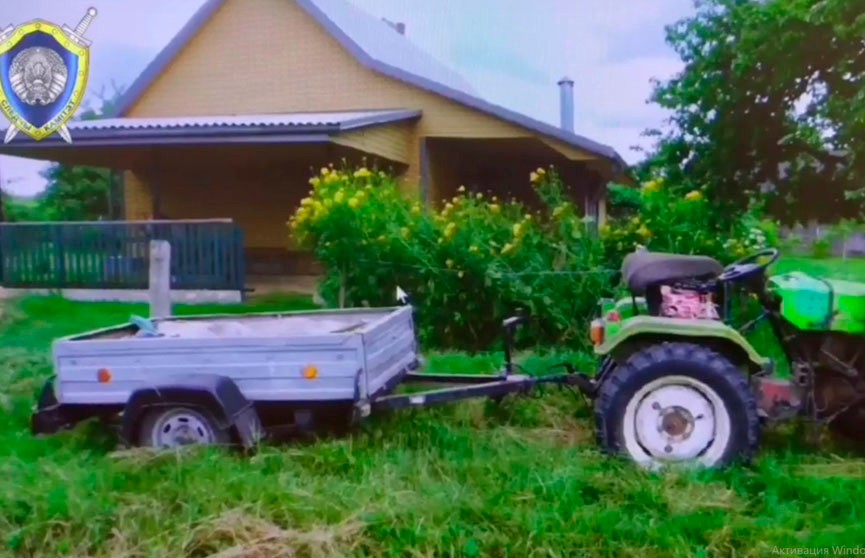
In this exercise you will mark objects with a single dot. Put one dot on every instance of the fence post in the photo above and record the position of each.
(160, 279)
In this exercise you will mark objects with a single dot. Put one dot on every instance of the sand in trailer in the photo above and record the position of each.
(271, 326)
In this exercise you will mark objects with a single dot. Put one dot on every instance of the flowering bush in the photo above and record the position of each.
(468, 266)
(686, 224)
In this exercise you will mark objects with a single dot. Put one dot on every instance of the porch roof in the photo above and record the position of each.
(203, 130)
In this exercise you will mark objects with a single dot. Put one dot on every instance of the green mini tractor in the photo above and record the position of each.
(679, 385)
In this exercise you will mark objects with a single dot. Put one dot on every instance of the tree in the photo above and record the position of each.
(769, 105)
(80, 193)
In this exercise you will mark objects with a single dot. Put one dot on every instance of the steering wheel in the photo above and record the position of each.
(748, 266)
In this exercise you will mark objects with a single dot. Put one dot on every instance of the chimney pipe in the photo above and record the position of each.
(566, 103)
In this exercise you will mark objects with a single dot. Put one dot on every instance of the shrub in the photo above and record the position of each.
(467, 266)
(686, 224)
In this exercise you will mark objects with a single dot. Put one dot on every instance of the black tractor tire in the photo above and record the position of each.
(700, 370)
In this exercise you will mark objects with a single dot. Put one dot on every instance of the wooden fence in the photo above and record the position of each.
(115, 255)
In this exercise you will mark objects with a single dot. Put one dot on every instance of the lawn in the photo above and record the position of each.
(852, 269)
(473, 479)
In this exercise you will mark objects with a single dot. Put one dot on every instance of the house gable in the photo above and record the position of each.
(293, 63)
(290, 64)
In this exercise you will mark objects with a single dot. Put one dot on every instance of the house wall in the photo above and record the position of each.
(393, 142)
(137, 198)
(257, 187)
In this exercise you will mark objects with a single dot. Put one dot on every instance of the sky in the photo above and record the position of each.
(511, 51)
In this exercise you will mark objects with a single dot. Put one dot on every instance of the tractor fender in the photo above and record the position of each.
(639, 331)
(216, 394)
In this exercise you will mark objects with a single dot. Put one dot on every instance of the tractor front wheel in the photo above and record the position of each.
(677, 403)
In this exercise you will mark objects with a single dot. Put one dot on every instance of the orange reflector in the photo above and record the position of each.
(310, 372)
(103, 375)
(596, 332)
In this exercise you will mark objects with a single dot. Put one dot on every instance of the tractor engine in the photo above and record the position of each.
(687, 303)
(838, 365)
(827, 322)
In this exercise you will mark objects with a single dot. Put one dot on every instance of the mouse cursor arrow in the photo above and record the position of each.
(401, 296)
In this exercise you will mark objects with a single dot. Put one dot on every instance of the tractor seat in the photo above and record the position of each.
(642, 269)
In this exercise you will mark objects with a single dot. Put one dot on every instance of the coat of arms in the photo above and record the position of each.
(43, 76)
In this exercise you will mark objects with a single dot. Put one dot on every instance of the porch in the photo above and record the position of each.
(254, 170)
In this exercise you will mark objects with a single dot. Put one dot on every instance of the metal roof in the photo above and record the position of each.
(381, 45)
(376, 45)
(343, 120)
(246, 128)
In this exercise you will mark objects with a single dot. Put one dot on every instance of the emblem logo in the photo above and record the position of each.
(43, 76)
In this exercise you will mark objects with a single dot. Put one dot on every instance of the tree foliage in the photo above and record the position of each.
(73, 193)
(770, 104)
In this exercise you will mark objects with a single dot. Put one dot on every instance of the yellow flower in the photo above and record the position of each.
(473, 249)
(517, 229)
(460, 274)
(456, 200)
(507, 248)
(495, 208)
(450, 229)
(404, 232)
(305, 202)
(325, 171)
(362, 172)
(534, 177)
(494, 199)
(339, 196)
(449, 263)
(636, 220)
(415, 209)
(559, 209)
(314, 181)
(382, 174)
(331, 178)
(653, 186)
(354, 202)
(644, 231)
(479, 196)
(461, 189)
(694, 195)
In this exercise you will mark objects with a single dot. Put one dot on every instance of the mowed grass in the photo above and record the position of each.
(851, 269)
(471, 479)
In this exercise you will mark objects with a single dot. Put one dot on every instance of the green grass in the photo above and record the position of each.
(473, 479)
(851, 269)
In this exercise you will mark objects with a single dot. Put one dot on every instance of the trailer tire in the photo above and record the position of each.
(677, 403)
(175, 426)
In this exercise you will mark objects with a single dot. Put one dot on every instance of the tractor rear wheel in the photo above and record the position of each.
(677, 403)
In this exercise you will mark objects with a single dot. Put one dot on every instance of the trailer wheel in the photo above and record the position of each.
(175, 427)
(677, 403)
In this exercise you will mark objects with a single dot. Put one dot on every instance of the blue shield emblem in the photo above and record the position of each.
(43, 77)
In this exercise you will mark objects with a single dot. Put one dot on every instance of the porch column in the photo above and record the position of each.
(424, 172)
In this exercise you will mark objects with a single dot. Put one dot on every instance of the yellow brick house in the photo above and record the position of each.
(230, 117)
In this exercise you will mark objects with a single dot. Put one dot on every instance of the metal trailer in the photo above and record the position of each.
(234, 378)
